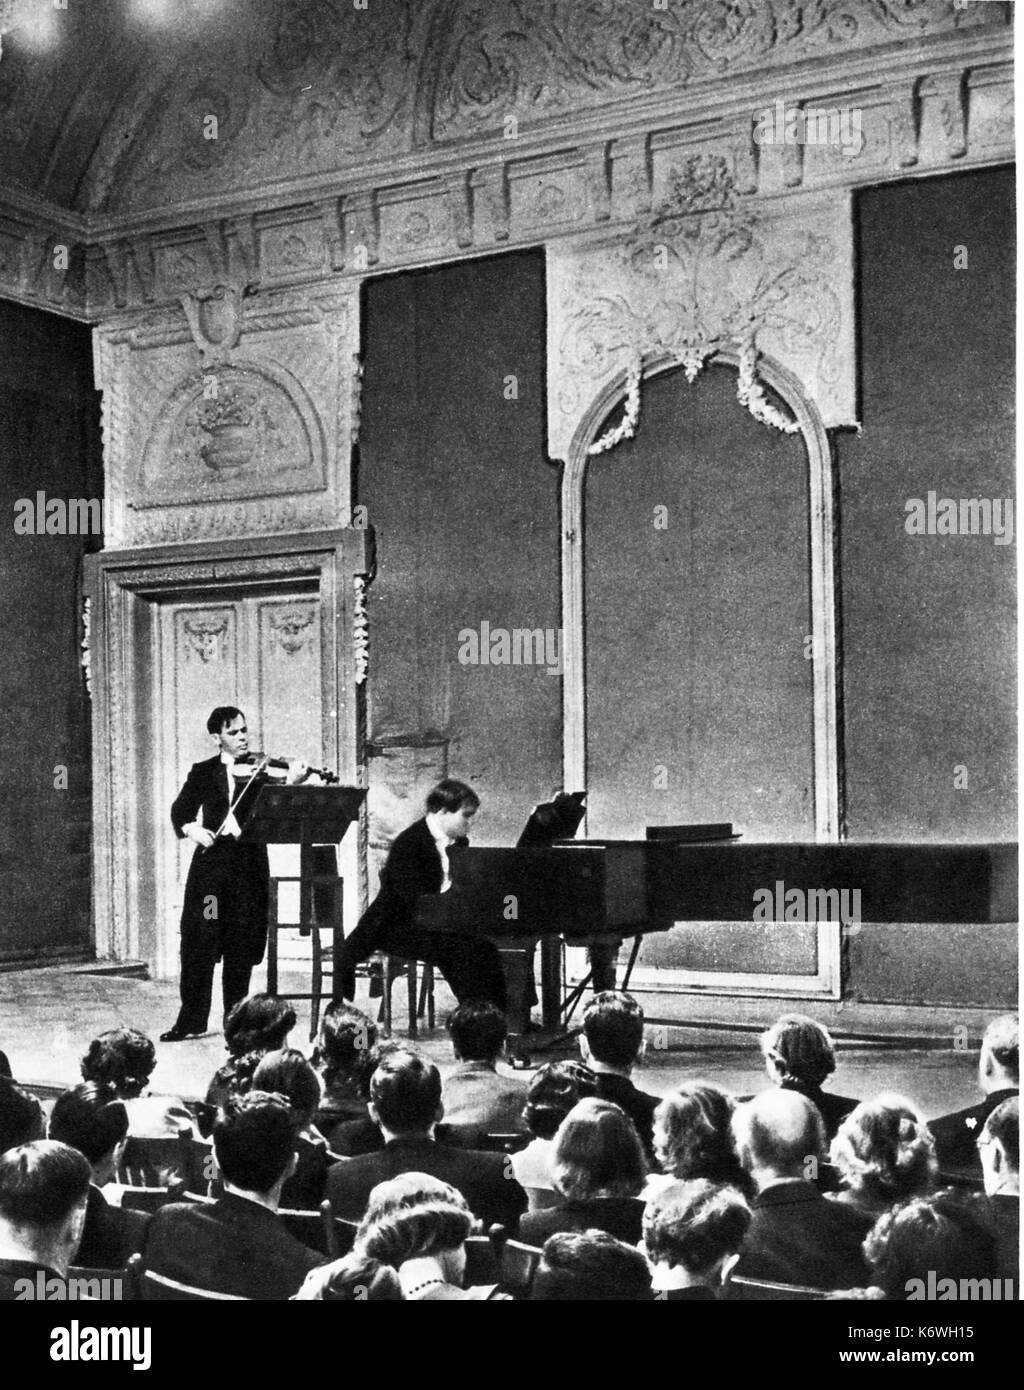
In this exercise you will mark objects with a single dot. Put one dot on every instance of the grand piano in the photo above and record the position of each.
(590, 891)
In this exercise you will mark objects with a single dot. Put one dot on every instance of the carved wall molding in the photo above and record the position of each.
(941, 102)
(231, 415)
(706, 271)
(827, 785)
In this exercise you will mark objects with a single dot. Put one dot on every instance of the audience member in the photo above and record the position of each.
(884, 1153)
(92, 1120)
(255, 1026)
(693, 1138)
(44, 1187)
(405, 1101)
(345, 1039)
(21, 1116)
(590, 1267)
(554, 1090)
(693, 1234)
(419, 1225)
(287, 1073)
(916, 1245)
(999, 1079)
(355, 1278)
(796, 1235)
(599, 1167)
(5, 1066)
(361, 1135)
(238, 1244)
(611, 1044)
(477, 1097)
(999, 1148)
(799, 1055)
(124, 1059)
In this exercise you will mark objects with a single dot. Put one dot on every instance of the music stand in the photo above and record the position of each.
(305, 816)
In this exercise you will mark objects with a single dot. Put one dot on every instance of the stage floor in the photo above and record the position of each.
(48, 1016)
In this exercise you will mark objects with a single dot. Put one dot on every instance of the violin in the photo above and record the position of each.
(282, 763)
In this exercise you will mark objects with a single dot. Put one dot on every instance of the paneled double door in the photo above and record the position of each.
(259, 651)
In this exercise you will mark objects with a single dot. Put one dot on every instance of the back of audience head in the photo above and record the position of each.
(613, 1031)
(693, 1232)
(884, 1149)
(122, 1058)
(91, 1119)
(405, 1093)
(478, 1032)
(799, 1051)
(779, 1135)
(554, 1090)
(21, 1116)
(598, 1153)
(287, 1073)
(44, 1187)
(692, 1132)
(943, 1236)
(999, 1062)
(416, 1216)
(355, 1278)
(346, 1037)
(999, 1148)
(590, 1266)
(259, 1023)
(254, 1142)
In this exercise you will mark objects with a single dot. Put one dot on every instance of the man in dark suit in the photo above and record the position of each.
(611, 1044)
(225, 909)
(796, 1236)
(956, 1135)
(405, 1101)
(418, 864)
(43, 1191)
(238, 1244)
(92, 1120)
(999, 1148)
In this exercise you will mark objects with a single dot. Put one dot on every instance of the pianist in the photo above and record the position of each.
(418, 864)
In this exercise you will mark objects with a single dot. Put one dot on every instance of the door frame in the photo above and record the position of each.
(123, 588)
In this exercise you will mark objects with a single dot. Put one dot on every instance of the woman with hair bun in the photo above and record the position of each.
(885, 1154)
(419, 1225)
(799, 1055)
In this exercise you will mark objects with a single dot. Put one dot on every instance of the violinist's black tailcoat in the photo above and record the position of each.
(225, 908)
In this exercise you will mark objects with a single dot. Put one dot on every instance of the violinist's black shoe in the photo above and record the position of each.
(177, 1034)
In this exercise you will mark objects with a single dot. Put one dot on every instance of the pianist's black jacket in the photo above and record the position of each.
(413, 867)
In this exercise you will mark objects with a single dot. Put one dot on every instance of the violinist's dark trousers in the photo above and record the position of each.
(224, 918)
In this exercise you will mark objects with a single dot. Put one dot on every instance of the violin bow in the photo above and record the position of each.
(233, 805)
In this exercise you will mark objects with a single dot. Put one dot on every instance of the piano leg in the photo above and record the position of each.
(518, 965)
(551, 983)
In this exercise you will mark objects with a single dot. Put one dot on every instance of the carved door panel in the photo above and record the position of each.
(260, 652)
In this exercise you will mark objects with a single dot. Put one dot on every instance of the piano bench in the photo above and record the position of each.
(394, 968)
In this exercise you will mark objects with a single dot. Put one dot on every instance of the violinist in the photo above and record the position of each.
(224, 916)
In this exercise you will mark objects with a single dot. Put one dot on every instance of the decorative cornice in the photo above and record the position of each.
(941, 103)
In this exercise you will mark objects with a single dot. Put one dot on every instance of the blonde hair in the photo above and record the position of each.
(884, 1148)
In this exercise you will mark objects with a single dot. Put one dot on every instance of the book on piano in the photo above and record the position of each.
(693, 834)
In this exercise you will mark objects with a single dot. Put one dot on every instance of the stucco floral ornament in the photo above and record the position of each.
(700, 276)
(626, 428)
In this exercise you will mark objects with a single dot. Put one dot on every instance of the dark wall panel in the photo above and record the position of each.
(699, 700)
(454, 474)
(49, 442)
(929, 621)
